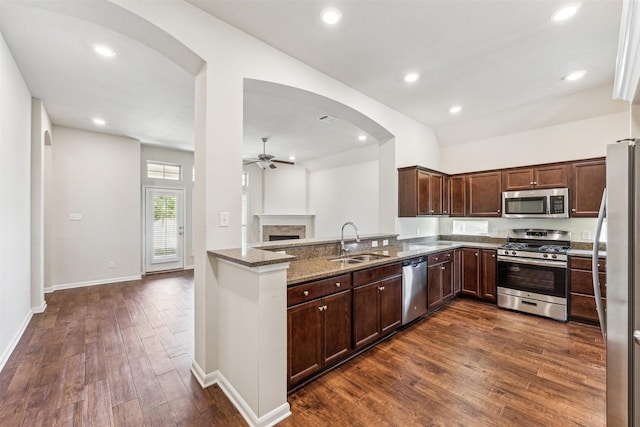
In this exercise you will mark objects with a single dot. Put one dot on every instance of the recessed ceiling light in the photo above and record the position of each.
(331, 15)
(455, 109)
(576, 75)
(565, 12)
(99, 122)
(362, 137)
(104, 50)
(411, 77)
(292, 158)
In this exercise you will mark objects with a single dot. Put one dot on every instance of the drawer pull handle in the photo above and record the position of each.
(529, 303)
(321, 308)
(442, 268)
(306, 293)
(381, 288)
(337, 284)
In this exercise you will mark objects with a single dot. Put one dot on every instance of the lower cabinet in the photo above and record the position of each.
(319, 331)
(439, 278)
(582, 303)
(478, 269)
(377, 303)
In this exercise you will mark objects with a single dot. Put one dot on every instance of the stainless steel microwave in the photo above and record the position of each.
(550, 203)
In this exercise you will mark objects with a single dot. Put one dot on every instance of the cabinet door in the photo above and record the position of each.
(457, 196)
(553, 176)
(390, 304)
(435, 194)
(588, 180)
(447, 280)
(424, 193)
(304, 323)
(457, 271)
(470, 269)
(517, 179)
(484, 194)
(407, 192)
(434, 288)
(445, 195)
(489, 274)
(365, 315)
(337, 327)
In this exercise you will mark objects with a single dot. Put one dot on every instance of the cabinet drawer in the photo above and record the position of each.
(374, 274)
(317, 289)
(440, 257)
(584, 306)
(582, 282)
(585, 263)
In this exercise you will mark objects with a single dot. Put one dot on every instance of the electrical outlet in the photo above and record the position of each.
(75, 217)
(417, 231)
(374, 243)
(112, 264)
(586, 235)
(385, 242)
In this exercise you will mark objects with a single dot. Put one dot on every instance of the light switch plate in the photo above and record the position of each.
(374, 243)
(586, 235)
(224, 219)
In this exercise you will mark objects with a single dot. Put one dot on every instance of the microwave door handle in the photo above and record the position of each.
(594, 267)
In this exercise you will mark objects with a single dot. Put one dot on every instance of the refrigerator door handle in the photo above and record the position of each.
(594, 267)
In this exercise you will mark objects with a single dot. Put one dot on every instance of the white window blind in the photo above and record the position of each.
(165, 228)
(168, 171)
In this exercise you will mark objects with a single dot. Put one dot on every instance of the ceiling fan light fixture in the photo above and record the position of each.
(263, 164)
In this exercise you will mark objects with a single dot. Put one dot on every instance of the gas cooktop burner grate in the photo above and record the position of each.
(514, 245)
(553, 248)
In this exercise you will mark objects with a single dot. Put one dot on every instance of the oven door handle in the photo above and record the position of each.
(529, 261)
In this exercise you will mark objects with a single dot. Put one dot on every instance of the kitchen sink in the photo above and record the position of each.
(356, 259)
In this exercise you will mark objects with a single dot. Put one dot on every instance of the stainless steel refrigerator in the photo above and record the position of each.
(621, 320)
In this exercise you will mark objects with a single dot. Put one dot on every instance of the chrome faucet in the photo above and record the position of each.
(342, 248)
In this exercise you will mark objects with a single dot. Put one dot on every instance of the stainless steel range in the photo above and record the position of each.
(532, 272)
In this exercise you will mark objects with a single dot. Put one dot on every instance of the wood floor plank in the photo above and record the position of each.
(128, 414)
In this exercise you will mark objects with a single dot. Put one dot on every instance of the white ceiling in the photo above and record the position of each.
(503, 61)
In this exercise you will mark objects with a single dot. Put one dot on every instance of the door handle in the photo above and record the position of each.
(636, 337)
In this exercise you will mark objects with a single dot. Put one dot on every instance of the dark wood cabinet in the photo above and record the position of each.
(319, 326)
(548, 176)
(588, 180)
(457, 271)
(445, 195)
(420, 192)
(377, 303)
(484, 194)
(582, 303)
(457, 197)
(488, 279)
(439, 279)
(470, 270)
(479, 273)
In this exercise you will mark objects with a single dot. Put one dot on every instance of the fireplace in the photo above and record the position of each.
(283, 232)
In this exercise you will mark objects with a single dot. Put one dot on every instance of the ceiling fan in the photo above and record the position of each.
(265, 160)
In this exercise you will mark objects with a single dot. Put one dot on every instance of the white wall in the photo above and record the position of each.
(97, 176)
(15, 187)
(569, 141)
(347, 193)
(179, 157)
(40, 143)
(285, 189)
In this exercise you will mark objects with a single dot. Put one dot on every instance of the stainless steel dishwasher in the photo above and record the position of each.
(414, 288)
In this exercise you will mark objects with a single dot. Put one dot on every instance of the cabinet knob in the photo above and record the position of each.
(325, 307)
(535, 183)
(476, 254)
(436, 258)
(306, 293)
(432, 211)
(381, 288)
(442, 268)
(321, 308)
(498, 210)
(573, 210)
(493, 256)
(530, 182)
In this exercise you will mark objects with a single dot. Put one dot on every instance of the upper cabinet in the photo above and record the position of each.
(588, 179)
(484, 194)
(548, 176)
(457, 198)
(420, 192)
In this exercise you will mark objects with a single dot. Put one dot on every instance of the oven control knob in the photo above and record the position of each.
(545, 256)
(554, 256)
(513, 252)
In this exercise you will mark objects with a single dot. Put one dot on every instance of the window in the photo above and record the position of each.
(245, 212)
(245, 180)
(471, 227)
(167, 171)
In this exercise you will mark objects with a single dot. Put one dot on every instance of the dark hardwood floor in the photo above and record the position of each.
(121, 355)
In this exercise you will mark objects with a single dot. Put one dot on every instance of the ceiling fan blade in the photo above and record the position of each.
(285, 162)
(249, 161)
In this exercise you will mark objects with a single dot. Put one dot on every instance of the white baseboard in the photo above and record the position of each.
(48, 290)
(189, 267)
(268, 420)
(91, 283)
(40, 309)
(14, 342)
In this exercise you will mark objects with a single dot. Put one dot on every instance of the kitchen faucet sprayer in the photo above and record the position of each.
(342, 249)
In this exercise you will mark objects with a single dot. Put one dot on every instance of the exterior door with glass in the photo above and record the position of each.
(164, 229)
